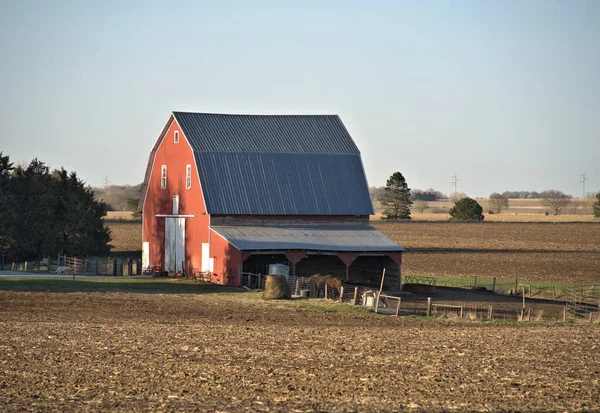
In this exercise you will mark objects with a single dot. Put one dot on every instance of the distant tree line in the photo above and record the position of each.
(43, 213)
(378, 194)
(522, 194)
(118, 197)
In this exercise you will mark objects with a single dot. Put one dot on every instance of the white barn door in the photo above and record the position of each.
(174, 244)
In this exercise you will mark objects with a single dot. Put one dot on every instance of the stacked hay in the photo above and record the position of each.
(276, 288)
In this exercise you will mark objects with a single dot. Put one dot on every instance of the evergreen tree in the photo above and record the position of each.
(596, 206)
(6, 206)
(43, 213)
(396, 199)
(466, 209)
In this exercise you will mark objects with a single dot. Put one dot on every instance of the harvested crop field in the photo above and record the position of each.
(126, 235)
(564, 253)
(68, 351)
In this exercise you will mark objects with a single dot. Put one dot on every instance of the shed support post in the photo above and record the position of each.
(347, 271)
(400, 275)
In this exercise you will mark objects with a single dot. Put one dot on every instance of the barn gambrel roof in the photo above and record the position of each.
(276, 164)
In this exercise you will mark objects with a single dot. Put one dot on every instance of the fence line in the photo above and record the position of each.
(583, 302)
(81, 266)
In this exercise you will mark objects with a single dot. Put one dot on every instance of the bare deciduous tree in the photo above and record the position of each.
(556, 200)
(420, 206)
(498, 202)
(457, 196)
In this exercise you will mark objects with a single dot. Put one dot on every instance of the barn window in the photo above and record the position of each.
(176, 137)
(163, 181)
(175, 204)
(188, 176)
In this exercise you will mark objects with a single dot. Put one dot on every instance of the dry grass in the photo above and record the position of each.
(506, 217)
(121, 215)
(520, 210)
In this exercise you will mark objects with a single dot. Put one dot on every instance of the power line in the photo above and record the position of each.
(455, 182)
(582, 182)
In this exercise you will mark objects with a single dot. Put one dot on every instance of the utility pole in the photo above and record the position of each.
(455, 182)
(105, 182)
(582, 182)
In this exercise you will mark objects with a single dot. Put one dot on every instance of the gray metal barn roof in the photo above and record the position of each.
(320, 238)
(277, 165)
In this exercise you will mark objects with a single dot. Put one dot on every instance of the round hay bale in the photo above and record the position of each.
(276, 288)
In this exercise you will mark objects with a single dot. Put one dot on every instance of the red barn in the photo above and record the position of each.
(235, 193)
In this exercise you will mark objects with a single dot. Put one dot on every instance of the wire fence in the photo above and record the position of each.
(335, 290)
(583, 303)
(503, 287)
(72, 265)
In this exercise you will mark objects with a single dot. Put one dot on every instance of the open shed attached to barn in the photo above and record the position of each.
(229, 194)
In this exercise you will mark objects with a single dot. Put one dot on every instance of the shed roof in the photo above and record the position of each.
(323, 238)
(277, 164)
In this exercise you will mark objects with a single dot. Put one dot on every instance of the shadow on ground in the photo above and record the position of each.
(117, 284)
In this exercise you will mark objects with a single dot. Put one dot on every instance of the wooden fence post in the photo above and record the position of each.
(341, 293)
(398, 306)
(494, 285)
(523, 296)
(297, 287)
(462, 310)
(565, 314)
(326, 291)
(474, 282)
(382, 278)
(553, 293)
(491, 312)
(428, 306)
(355, 299)
(377, 302)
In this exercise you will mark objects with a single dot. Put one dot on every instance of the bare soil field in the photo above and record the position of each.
(126, 235)
(124, 351)
(565, 253)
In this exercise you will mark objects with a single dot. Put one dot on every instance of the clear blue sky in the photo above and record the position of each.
(506, 94)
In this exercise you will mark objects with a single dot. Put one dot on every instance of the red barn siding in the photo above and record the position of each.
(226, 256)
(160, 201)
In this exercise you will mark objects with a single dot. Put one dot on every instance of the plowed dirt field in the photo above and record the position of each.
(564, 253)
(91, 351)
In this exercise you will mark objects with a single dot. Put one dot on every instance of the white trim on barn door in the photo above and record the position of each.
(205, 257)
(145, 254)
